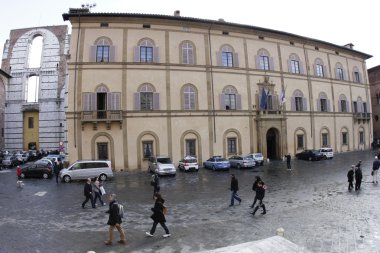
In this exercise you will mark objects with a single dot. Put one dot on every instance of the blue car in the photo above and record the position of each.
(217, 163)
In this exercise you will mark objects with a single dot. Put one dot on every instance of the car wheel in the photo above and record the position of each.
(22, 175)
(45, 176)
(66, 179)
(103, 177)
(238, 166)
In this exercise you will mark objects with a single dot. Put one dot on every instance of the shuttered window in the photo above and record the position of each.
(189, 97)
(187, 53)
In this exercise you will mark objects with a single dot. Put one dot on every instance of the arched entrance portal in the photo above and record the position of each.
(272, 144)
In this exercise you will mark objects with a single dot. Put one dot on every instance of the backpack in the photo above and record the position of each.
(120, 210)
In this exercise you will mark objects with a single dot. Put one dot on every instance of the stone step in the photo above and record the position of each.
(275, 244)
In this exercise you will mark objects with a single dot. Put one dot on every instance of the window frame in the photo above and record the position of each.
(298, 102)
(232, 146)
(295, 66)
(187, 53)
(344, 138)
(300, 140)
(147, 143)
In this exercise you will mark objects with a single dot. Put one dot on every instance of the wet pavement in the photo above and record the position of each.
(311, 203)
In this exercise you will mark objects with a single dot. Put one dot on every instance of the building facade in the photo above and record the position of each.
(374, 82)
(142, 85)
(4, 77)
(36, 59)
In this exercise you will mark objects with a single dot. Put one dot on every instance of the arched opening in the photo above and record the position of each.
(35, 52)
(272, 144)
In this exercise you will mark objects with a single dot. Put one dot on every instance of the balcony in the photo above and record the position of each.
(96, 117)
(362, 116)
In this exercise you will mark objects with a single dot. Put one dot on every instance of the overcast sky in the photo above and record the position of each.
(335, 21)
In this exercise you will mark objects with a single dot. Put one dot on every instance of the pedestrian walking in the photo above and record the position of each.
(57, 166)
(358, 178)
(260, 193)
(359, 164)
(114, 221)
(288, 159)
(18, 173)
(88, 193)
(97, 192)
(158, 216)
(234, 189)
(375, 169)
(350, 177)
(155, 182)
(254, 187)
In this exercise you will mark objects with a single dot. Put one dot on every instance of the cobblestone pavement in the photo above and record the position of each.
(311, 203)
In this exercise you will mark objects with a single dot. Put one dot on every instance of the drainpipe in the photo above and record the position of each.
(212, 81)
(75, 84)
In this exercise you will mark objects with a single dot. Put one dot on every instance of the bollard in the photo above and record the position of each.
(280, 232)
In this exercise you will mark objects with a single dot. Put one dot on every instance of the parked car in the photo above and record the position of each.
(258, 157)
(22, 158)
(217, 163)
(38, 169)
(10, 161)
(188, 163)
(163, 165)
(84, 169)
(311, 155)
(54, 158)
(238, 161)
(46, 161)
(327, 152)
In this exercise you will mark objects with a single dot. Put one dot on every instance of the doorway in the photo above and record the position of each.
(101, 106)
(103, 151)
(272, 144)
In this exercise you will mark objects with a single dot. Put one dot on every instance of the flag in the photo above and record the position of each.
(263, 99)
(282, 97)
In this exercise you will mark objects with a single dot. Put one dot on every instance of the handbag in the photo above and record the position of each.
(102, 191)
(165, 210)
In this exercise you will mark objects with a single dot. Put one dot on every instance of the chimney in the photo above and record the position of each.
(177, 13)
(349, 45)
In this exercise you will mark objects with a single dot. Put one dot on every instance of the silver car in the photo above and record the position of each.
(163, 165)
(239, 162)
(258, 157)
(87, 169)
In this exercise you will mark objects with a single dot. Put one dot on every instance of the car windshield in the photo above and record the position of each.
(165, 160)
(247, 158)
(258, 155)
(190, 160)
(219, 159)
(315, 151)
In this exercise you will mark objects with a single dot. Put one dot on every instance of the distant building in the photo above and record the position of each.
(374, 84)
(4, 77)
(35, 94)
(142, 85)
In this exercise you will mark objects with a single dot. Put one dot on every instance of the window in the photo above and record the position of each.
(230, 100)
(355, 105)
(339, 74)
(30, 122)
(187, 53)
(146, 52)
(102, 53)
(378, 98)
(323, 105)
(264, 62)
(147, 149)
(319, 69)
(300, 141)
(356, 77)
(31, 89)
(35, 52)
(343, 106)
(231, 145)
(361, 137)
(364, 107)
(189, 97)
(146, 98)
(325, 138)
(299, 103)
(294, 64)
(344, 138)
(190, 147)
(227, 59)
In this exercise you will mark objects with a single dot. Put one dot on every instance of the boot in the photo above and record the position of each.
(255, 210)
(264, 210)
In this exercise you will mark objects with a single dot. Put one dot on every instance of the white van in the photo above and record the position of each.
(327, 152)
(87, 169)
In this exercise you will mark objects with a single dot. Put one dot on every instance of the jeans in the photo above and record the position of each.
(350, 185)
(163, 225)
(234, 195)
(119, 228)
(98, 196)
(375, 176)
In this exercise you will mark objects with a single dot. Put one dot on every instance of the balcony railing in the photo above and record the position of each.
(101, 115)
(362, 115)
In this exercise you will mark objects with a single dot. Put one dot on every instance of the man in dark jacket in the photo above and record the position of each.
(155, 182)
(234, 189)
(88, 193)
(260, 193)
(350, 177)
(358, 178)
(114, 220)
(288, 159)
(57, 166)
(375, 169)
(254, 187)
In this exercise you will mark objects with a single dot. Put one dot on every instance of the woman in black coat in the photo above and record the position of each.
(158, 216)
